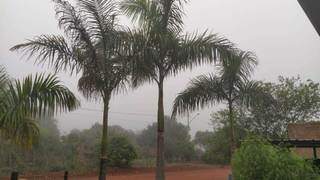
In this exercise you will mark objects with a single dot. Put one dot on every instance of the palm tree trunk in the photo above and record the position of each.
(104, 141)
(160, 136)
(232, 134)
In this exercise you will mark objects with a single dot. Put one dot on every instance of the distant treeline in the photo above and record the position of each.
(78, 151)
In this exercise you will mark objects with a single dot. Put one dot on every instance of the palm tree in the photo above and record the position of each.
(92, 45)
(22, 102)
(162, 49)
(231, 84)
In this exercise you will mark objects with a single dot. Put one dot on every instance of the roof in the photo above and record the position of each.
(312, 9)
(306, 130)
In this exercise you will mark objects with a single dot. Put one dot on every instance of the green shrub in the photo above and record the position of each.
(120, 152)
(257, 159)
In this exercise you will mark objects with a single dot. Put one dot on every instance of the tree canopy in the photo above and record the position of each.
(295, 100)
(178, 144)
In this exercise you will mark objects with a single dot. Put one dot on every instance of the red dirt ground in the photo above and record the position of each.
(172, 173)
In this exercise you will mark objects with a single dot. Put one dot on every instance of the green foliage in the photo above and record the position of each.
(47, 154)
(76, 152)
(178, 145)
(82, 148)
(22, 102)
(257, 159)
(217, 148)
(120, 152)
(230, 85)
(294, 101)
(215, 145)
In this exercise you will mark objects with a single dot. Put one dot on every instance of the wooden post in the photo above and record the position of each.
(65, 177)
(315, 153)
(14, 175)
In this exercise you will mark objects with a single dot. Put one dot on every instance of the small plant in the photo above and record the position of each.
(120, 152)
(257, 159)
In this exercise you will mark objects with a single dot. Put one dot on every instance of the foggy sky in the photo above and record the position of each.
(278, 31)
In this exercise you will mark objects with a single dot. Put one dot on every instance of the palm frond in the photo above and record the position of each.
(197, 48)
(140, 57)
(201, 91)
(43, 94)
(142, 71)
(157, 16)
(112, 78)
(173, 13)
(145, 12)
(53, 50)
(75, 26)
(4, 78)
(100, 16)
(25, 134)
(91, 85)
(31, 98)
(237, 66)
(252, 92)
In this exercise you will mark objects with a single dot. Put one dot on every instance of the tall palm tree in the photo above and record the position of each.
(22, 102)
(231, 84)
(93, 46)
(163, 50)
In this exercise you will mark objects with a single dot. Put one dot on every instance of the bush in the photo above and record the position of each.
(217, 148)
(257, 159)
(120, 152)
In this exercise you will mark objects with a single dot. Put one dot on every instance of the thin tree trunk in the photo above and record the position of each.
(232, 133)
(160, 136)
(104, 141)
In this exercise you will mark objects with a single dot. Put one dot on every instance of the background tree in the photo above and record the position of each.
(82, 148)
(93, 46)
(23, 102)
(46, 154)
(214, 144)
(77, 151)
(295, 101)
(230, 85)
(178, 144)
(164, 50)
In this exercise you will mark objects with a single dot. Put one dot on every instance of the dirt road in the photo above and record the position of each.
(208, 173)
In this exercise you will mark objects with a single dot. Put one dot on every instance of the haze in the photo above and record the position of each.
(277, 31)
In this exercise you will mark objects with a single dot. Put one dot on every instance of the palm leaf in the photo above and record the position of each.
(74, 24)
(99, 16)
(53, 50)
(237, 66)
(195, 49)
(32, 98)
(252, 92)
(145, 12)
(201, 91)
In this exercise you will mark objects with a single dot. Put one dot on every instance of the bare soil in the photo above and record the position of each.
(173, 172)
(181, 172)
